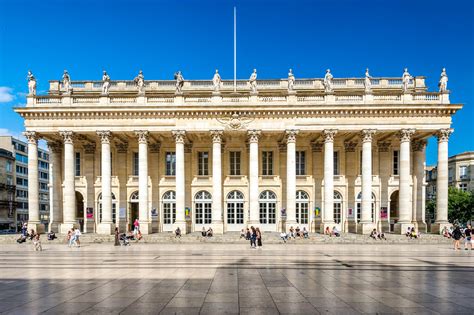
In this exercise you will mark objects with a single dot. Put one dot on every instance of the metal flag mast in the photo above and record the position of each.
(235, 49)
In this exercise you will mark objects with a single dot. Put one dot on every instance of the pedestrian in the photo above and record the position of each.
(77, 234)
(32, 234)
(253, 237)
(24, 229)
(248, 235)
(37, 243)
(259, 238)
(117, 242)
(468, 237)
(69, 238)
(136, 226)
(457, 234)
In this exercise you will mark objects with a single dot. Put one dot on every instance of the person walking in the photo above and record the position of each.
(37, 242)
(136, 226)
(253, 237)
(259, 237)
(117, 242)
(77, 234)
(468, 237)
(457, 234)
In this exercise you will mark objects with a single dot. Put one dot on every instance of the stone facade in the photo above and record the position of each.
(267, 155)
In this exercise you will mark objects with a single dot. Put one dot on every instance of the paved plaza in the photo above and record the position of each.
(228, 279)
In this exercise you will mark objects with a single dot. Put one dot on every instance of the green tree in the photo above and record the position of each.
(460, 205)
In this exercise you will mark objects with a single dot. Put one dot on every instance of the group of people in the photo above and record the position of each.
(73, 237)
(32, 236)
(411, 233)
(332, 232)
(457, 234)
(376, 235)
(294, 233)
(207, 233)
(254, 235)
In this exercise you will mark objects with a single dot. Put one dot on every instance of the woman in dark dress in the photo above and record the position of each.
(457, 234)
(259, 237)
(253, 237)
(117, 243)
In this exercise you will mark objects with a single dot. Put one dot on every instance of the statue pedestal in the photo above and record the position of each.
(178, 98)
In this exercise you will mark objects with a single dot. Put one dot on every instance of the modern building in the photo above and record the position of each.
(345, 152)
(21, 179)
(7, 191)
(460, 174)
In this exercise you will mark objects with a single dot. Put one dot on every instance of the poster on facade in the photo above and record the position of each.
(122, 213)
(350, 213)
(317, 212)
(90, 213)
(383, 213)
(283, 214)
(154, 212)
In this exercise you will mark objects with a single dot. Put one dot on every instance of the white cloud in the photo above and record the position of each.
(6, 94)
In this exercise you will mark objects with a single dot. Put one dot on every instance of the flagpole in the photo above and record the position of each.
(235, 49)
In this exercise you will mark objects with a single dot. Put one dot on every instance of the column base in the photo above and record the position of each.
(438, 227)
(217, 227)
(421, 226)
(65, 227)
(385, 226)
(37, 226)
(145, 227)
(106, 228)
(54, 227)
(181, 225)
(402, 228)
(365, 228)
(89, 226)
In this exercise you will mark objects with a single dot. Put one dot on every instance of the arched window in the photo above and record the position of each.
(267, 205)
(169, 207)
(359, 206)
(134, 196)
(302, 207)
(235, 207)
(337, 207)
(114, 207)
(203, 206)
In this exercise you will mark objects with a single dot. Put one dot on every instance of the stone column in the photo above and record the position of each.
(442, 182)
(366, 220)
(419, 184)
(253, 136)
(55, 200)
(405, 206)
(106, 225)
(328, 210)
(69, 190)
(33, 185)
(179, 136)
(143, 209)
(291, 178)
(217, 222)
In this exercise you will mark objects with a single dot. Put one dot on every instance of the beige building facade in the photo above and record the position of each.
(314, 153)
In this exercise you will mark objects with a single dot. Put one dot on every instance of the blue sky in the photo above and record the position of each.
(161, 37)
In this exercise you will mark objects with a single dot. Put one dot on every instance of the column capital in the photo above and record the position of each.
(105, 136)
(31, 136)
(444, 134)
(142, 136)
(179, 135)
(67, 135)
(383, 146)
(405, 134)
(254, 135)
(291, 135)
(54, 147)
(418, 145)
(329, 135)
(217, 136)
(349, 146)
(367, 134)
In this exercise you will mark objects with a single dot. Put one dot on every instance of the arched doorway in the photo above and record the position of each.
(302, 209)
(359, 207)
(235, 211)
(80, 210)
(267, 208)
(337, 207)
(114, 208)
(132, 212)
(202, 210)
(168, 203)
(394, 209)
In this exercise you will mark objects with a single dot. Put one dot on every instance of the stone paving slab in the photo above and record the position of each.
(234, 279)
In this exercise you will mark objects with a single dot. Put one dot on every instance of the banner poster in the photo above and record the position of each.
(122, 212)
(283, 214)
(383, 213)
(187, 213)
(154, 212)
(350, 213)
(89, 212)
(317, 212)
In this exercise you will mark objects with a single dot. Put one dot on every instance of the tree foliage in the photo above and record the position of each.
(460, 205)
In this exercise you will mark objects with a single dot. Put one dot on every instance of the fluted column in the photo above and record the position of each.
(419, 184)
(55, 208)
(106, 225)
(442, 181)
(367, 222)
(69, 190)
(290, 178)
(179, 136)
(33, 185)
(404, 204)
(217, 223)
(253, 136)
(328, 210)
(143, 209)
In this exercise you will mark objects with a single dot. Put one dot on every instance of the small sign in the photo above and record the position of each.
(122, 213)
(383, 213)
(317, 212)
(154, 212)
(350, 213)
(89, 212)
(283, 214)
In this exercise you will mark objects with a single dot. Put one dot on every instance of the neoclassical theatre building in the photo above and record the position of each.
(314, 153)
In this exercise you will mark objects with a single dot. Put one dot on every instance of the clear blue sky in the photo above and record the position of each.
(161, 37)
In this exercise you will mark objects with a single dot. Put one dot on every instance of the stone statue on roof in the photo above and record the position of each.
(178, 76)
(406, 78)
(31, 84)
(291, 80)
(67, 82)
(253, 81)
(140, 82)
(105, 83)
(367, 83)
(443, 81)
(327, 82)
(216, 81)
